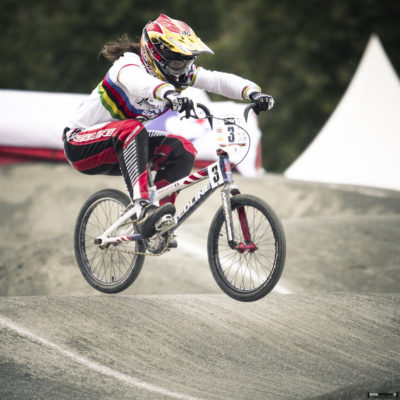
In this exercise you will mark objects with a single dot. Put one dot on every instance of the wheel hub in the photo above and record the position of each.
(248, 246)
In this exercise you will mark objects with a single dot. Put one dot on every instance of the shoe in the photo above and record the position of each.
(150, 215)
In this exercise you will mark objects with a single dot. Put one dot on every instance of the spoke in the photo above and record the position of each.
(108, 265)
(248, 271)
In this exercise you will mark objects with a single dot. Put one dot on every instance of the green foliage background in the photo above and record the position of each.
(304, 53)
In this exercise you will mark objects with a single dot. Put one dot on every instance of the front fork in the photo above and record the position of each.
(232, 190)
(247, 244)
(226, 206)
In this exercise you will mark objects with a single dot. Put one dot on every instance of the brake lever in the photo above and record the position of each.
(202, 107)
(190, 115)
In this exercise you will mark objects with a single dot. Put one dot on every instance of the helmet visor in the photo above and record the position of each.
(178, 67)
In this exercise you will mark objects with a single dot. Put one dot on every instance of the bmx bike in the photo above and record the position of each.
(246, 243)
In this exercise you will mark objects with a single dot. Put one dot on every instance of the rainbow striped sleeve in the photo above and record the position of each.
(245, 91)
(158, 91)
(115, 100)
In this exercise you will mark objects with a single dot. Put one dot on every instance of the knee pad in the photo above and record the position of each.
(183, 146)
(129, 130)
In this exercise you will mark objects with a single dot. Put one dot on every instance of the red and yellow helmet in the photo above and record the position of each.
(168, 50)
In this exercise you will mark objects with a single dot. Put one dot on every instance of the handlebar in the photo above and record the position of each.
(207, 112)
(251, 106)
(210, 118)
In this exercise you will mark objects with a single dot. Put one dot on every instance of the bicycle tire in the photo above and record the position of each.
(108, 270)
(236, 272)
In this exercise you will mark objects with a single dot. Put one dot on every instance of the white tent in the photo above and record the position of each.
(360, 142)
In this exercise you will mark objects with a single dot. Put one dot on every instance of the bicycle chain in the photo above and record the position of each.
(138, 253)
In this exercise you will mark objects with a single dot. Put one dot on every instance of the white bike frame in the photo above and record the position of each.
(218, 174)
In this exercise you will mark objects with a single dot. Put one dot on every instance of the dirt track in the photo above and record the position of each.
(172, 329)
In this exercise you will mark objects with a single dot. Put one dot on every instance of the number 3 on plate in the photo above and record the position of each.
(214, 172)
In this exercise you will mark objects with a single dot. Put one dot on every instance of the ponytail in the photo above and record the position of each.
(115, 49)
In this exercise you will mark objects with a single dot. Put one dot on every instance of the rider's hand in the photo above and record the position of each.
(263, 102)
(179, 103)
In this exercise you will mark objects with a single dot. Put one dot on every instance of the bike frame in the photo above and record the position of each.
(218, 173)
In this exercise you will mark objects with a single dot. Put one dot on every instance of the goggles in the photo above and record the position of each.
(178, 67)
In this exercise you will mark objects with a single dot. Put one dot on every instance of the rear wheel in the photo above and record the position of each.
(112, 268)
(251, 269)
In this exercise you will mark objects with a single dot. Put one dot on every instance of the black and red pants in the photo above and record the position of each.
(125, 148)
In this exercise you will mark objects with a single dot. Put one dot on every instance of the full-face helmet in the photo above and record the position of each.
(168, 49)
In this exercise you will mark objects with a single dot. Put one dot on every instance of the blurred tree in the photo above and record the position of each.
(53, 46)
(304, 53)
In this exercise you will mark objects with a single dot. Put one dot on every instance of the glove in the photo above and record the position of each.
(179, 103)
(263, 102)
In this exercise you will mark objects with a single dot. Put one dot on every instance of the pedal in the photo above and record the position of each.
(164, 224)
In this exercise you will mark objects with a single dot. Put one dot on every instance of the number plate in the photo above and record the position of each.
(230, 136)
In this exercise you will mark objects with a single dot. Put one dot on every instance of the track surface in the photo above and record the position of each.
(173, 334)
(198, 346)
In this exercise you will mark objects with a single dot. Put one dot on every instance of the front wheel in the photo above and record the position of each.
(110, 268)
(251, 269)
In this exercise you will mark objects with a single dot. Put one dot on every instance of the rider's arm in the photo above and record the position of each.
(137, 81)
(224, 84)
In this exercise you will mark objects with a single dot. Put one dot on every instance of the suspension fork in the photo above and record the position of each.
(243, 224)
(228, 190)
(226, 205)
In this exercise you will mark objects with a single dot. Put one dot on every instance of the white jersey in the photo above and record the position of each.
(129, 91)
